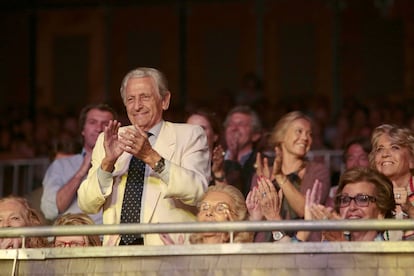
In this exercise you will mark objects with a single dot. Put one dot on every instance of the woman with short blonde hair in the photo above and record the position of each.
(229, 205)
(76, 219)
(393, 155)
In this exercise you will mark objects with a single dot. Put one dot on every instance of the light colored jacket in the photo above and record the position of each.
(166, 196)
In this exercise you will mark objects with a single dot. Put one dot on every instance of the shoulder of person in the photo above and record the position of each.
(315, 166)
(184, 127)
(67, 159)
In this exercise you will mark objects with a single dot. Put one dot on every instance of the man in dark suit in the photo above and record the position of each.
(242, 131)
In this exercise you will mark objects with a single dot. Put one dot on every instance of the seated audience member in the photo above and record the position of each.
(64, 175)
(363, 193)
(16, 212)
(242, 132)
(292, 173)
(393, 155)
(75, 241)
(219, 203)
(355, 154)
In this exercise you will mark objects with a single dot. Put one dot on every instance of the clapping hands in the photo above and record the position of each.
(264, 200)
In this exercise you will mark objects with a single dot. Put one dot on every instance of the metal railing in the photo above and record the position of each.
(21, 176)
(287, 258)
(192, 227)
(331, 158)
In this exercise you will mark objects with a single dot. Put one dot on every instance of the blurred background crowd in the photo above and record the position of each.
(53, 132)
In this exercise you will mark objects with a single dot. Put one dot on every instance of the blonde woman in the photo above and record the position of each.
(76, 241)
(393, 155)
(16, 212)
(291, 173)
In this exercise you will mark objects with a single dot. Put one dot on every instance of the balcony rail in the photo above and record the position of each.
(21, 176)
(193, 227)
(280, 258)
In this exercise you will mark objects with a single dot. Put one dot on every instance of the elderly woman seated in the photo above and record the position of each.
(219, 203)
(16, 212)
(393, 155)
(75, 241)
(363, 193)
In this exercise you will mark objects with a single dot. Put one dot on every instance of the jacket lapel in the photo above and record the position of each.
(165, 146)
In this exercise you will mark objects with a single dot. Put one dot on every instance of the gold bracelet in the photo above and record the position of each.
(284, 181)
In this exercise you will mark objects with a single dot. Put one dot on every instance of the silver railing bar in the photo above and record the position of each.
(21, 185)
(191, 227)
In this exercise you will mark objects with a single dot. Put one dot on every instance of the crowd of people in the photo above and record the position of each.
(157, 171)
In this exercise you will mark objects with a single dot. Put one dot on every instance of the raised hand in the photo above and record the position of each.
(135, 141)
(401, 197)
(253, 206)
(320, 212)
(277, 164)
(312, 205)
(86, 164)
(333, 235)
(10, 243)
(218, 161)
(262, 166)
(313, 197)
(233, 146)
(111, 143)
(167, 240)
(271, 200)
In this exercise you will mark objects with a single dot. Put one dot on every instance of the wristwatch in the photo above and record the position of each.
(159, 166)
(278, 235)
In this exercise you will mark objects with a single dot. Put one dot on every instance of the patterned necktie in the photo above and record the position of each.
(131, 205)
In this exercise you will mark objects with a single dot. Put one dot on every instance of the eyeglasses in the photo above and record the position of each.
(219, 208)
(361, 200)
(70, 244)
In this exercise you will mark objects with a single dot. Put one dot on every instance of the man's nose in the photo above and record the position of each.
(102, 126)
(138, 103)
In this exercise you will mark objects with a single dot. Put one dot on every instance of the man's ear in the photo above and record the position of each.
(166, 101)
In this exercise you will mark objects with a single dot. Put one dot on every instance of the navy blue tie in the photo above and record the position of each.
(131, 205)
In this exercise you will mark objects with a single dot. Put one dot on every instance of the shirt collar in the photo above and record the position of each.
(243, 159)
(155, 131)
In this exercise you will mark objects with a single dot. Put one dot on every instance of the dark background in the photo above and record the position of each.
(60, 55)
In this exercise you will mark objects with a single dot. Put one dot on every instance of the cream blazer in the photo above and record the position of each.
(165, 197)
